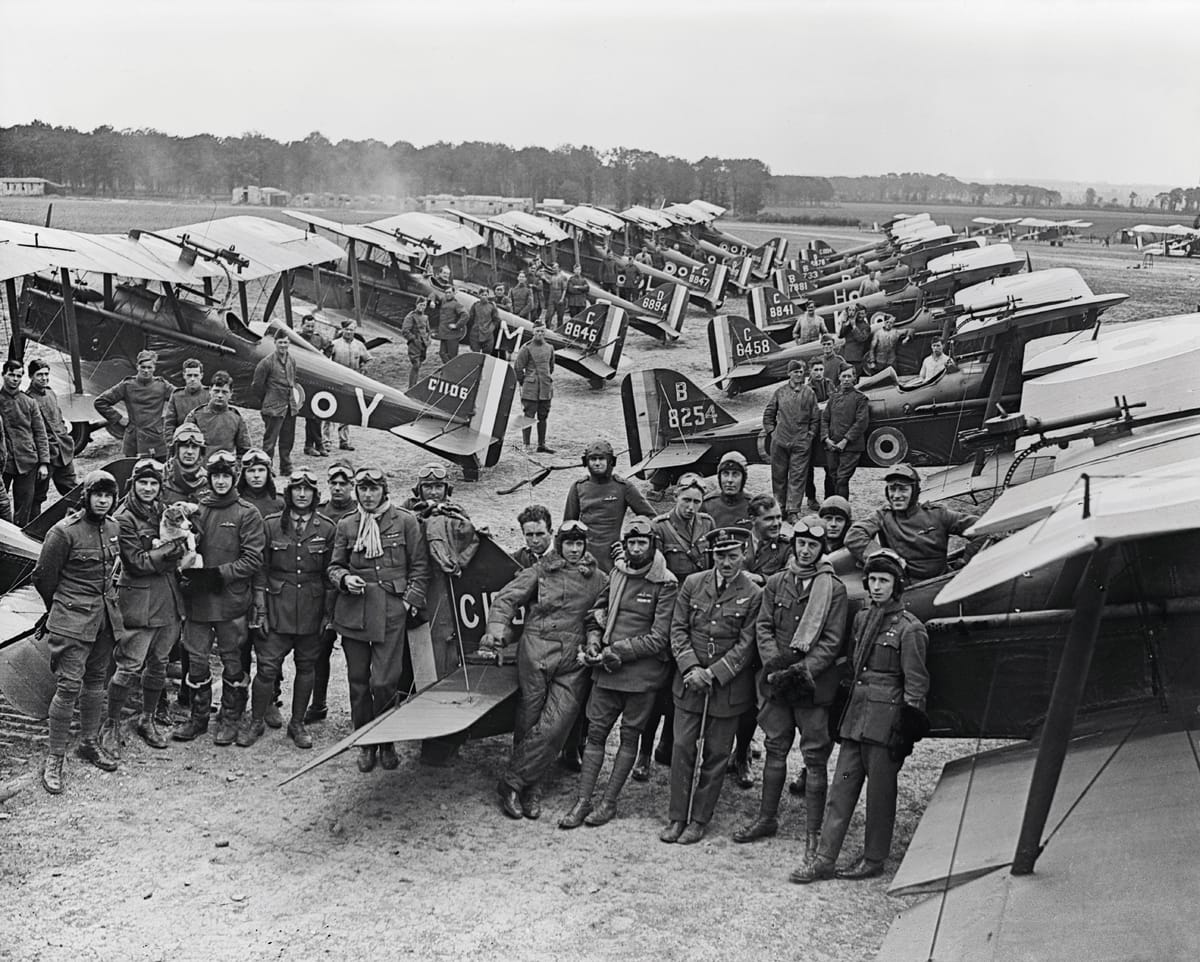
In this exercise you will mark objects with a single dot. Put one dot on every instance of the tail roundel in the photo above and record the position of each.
(770, 309)
(472, 395)
(661, 406)
(733, 341)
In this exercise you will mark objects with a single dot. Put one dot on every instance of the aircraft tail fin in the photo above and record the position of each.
(781, 248)
(661, 406)
(770, 308)
(742, 278)
(597, 334)
(733, 341)
(668, 303)
(764, 259)
(473, 393)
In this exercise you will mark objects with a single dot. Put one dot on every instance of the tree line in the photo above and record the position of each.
(112, 162)
(109, 162)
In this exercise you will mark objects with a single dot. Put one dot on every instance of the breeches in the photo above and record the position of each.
(197, 642)
(144, 651)
(305, 650)
(604, 707)
(780, 722)
(81, 664)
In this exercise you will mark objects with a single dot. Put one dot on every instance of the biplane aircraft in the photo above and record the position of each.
(1109, 527)
(766, 257)
(388, 272)
(1054, 231)
(987, 226)
(672, 426)
(517, 241)
(592, 230)
(1172, 241)
(460, 412)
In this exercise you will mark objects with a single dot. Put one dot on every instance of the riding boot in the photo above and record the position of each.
(767, 823)
(815, 789)
(91, 705)
(110, 730)
(251, 728)
(622, 765)
(589, 772)
(52, 774)
(233, 704)
(147, 729)
(200, 705)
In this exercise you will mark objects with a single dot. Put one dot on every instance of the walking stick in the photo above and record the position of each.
(698, 769)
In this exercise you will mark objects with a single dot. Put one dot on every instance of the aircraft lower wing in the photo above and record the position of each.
(452, 705)
(25, 675)
(960, 481)
(674, 456)
(1097, 894)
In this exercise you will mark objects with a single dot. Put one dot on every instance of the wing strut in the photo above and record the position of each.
(16, 344)
(72, 328)
(1064, 703)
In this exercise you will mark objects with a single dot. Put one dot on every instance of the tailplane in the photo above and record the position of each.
(472, 396)
(661, 406)
(770, 308)
(734, 341)
(596, 337)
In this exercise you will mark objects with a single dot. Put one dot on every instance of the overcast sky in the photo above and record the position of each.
(981, 89)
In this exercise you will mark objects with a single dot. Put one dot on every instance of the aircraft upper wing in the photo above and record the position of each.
(707, 208)
(598, 215)
(1131, 897)
(17, 261)
(1175, 230)
(439, 235)
(1170, 449)
(580, 217)
(544, 230)
(973, 257)
(1116, 509)
(648, 218)
(384, 240)
(142, 257)
(689, 214)
(271, 247)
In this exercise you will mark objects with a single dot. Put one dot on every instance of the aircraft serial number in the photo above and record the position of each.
(751, 349)
(776, 311)
(656, 301)
(580, 332)
(691, 417)
(438, 386)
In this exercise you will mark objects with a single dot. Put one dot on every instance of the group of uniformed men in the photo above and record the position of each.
(710, 614)
(706, 615)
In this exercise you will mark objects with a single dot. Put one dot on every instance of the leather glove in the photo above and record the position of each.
(166, 553)
(610, 660)
(698, 679)
(201, 581)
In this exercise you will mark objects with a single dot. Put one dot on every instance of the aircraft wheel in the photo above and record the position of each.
(81, 435)
(887, 446)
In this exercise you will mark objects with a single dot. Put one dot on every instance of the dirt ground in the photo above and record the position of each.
(197, 853)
